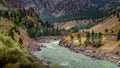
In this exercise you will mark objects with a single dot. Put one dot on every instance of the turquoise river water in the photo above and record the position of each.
(58, 55)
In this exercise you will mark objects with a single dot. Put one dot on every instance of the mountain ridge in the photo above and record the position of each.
(66, 10)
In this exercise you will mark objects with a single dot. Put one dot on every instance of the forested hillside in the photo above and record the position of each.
(29, 20)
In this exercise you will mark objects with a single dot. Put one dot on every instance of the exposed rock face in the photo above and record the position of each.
(58, 8)
(65, 7)
(13, 3)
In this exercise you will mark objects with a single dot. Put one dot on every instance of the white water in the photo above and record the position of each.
(67, 59)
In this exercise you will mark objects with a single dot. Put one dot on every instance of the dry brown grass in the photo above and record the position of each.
(5, 27)
(110, 23)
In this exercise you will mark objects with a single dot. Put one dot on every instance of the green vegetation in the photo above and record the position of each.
(98, 40)
(87, 42)
(106, 30)
(71, 37)
(118, 35)
(28, 19)
(47, 29)
(11, 54)
(91, 39)
(20, 41)
(83, 26)
(79, 38)
(11, 32)
(93, 13)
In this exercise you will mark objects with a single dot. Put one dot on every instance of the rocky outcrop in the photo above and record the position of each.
(34, 44)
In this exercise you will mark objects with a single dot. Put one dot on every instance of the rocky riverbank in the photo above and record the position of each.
(94, 53)
(35, 45)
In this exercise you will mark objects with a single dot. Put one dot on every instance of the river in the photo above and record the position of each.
(58, 55)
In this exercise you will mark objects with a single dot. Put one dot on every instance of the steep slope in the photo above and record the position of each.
(12, 55)
(7, 27)
(72, 9)
(93, 43)
(2, 7)
(13, 37)
(30, 21)
(71, 25)
(102, 36)
(12, 3)
(60, 7)
(106, 24)
(62, 10)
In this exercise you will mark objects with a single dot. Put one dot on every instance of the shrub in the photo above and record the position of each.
(8, 42)
(12, 54)
(20, 41)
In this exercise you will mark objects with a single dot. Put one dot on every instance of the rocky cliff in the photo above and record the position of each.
(64, 7)
(69, 9)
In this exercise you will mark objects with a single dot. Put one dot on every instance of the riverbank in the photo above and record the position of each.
(35, 45)
(94, 53)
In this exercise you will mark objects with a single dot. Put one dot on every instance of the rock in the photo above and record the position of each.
(118, 63)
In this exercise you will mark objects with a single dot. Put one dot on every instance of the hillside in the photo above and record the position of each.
(75, 24)
(101, 41)
(12, 55)
(102, 36)
(11, 3)
(9, 28)
(106, 24)
(14, 37)
(61, 10)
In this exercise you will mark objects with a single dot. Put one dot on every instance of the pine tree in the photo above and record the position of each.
(93, 37)
(118, 35)
(79, 38)
(106, 30)
(71, 38)
(20, 41)
(87, 38)
(99, 35)
(99, 42)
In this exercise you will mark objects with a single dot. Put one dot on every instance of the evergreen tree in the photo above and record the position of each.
(20, 41)
(98, 40)
(118, 35)
(106, 30)
(87, 38)
(79, 38)
(99, 35)
(93, 37)
(71, 38)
